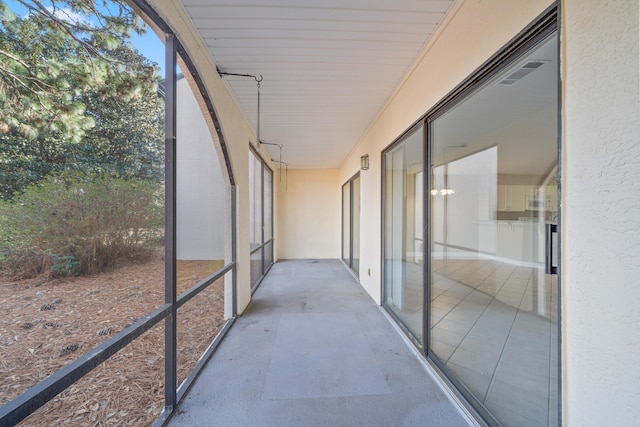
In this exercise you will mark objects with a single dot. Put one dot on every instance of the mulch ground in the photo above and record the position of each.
(45, 324)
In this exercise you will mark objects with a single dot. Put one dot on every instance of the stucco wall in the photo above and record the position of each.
(309, 221)
(601, 218)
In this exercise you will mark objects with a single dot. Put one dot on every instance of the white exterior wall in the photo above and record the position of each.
(309, 213)
(201, 218)
(601, 213)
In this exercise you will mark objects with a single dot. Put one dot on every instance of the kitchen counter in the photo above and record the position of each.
(521, 242)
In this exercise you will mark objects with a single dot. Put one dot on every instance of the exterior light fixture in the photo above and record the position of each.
(364, 162)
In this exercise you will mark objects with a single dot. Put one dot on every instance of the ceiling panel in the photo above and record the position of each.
(328, 67)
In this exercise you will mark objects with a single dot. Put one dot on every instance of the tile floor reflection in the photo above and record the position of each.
(494, 326)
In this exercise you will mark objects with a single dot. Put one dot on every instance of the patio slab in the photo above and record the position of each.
(313, 349)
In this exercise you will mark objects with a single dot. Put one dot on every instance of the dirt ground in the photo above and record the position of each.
(45, 324)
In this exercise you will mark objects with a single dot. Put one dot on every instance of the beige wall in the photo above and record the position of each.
(601, 212)
(309, 221)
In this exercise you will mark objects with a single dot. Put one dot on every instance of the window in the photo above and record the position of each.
(261, 217)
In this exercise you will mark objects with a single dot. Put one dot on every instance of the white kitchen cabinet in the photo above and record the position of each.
(512, 198)
(547, 194)
(532, 191)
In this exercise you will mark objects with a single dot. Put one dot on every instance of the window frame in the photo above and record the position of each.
(265, 266)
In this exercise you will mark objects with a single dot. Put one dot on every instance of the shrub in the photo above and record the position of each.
(71, 223)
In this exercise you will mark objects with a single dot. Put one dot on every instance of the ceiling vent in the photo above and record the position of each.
(520, 72)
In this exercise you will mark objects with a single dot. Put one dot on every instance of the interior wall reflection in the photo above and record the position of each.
(403, 232)
(346, 222)
(355, 230)
(351, 223)
(493, 309)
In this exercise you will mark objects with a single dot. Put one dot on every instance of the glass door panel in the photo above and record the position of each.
(355, 231)
(351, 223)
(492, 318)
(403, 230)
(346, 223)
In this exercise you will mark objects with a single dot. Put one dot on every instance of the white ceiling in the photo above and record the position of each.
(328, 66)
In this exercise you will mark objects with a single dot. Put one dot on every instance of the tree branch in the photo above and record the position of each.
(15, 58)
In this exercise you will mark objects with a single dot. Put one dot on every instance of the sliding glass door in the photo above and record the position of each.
(403, 232)
(493, 246)
(351, 223)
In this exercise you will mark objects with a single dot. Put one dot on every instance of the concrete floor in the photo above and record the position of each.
(313, 349)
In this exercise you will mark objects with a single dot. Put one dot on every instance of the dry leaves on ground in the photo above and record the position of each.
(45, 325)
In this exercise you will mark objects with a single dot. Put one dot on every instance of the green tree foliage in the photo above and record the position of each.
(54, 54)
(128, 139)
(74, 94)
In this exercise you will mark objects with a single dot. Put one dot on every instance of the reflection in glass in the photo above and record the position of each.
(346, 223)
(351, 223)
(403, 205)
(494, 187)
(255, 200)
(355, 231)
